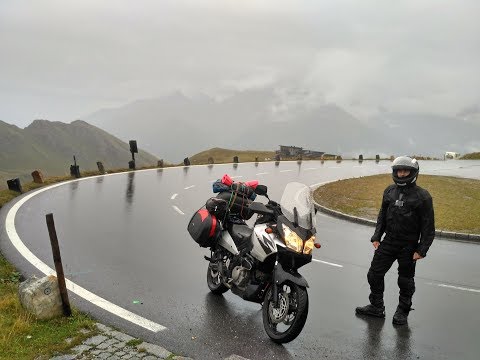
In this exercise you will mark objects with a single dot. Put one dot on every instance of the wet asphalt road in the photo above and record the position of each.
(124, 237)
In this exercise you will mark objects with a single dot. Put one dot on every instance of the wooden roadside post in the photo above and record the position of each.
(67, 311)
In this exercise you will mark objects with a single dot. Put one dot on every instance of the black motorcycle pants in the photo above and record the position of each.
(384, 257)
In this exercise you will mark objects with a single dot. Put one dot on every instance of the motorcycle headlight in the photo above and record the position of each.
(292, 240)
(308, 246)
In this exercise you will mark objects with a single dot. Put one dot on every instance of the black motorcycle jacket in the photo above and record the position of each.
(406, 216)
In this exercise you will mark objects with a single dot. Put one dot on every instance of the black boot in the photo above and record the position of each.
(371, 310)
(401, 316)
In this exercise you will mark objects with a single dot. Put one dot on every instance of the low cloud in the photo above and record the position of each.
(62, 60)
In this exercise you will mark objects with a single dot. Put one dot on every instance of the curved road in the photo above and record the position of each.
(123, 237)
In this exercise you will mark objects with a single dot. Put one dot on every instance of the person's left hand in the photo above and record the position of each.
(417, 256)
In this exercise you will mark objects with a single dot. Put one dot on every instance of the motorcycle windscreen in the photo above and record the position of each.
(299, 196)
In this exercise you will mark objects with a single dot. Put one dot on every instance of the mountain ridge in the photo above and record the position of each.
(50, 146)
(177, 126)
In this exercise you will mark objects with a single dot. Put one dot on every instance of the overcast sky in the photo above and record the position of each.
(61, 60)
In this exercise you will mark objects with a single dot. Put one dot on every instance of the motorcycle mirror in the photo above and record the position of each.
(261, 190)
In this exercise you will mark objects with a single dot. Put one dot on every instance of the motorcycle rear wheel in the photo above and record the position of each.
(284, 323)
(214, 282)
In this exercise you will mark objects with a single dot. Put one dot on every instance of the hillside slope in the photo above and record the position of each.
(50, 147)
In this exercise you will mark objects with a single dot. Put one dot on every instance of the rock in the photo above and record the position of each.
(37, 177)
(41, 297)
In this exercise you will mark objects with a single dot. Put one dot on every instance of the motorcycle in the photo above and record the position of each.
(260, 263)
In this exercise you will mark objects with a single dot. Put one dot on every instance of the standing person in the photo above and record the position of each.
(406, 217)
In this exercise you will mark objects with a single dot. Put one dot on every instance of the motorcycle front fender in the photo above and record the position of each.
(280, 276)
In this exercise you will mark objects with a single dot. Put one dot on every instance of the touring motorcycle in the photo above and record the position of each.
(260, 263)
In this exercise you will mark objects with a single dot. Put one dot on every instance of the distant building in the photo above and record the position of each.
(312, 153)
(451, 155)
(290, 150)
(295, 151)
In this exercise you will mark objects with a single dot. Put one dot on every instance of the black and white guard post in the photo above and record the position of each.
(133, 150)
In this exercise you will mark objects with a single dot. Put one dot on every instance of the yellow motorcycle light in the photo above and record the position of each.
(308, 246)
(292, 240)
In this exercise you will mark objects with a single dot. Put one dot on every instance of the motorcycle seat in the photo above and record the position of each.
(242, 236)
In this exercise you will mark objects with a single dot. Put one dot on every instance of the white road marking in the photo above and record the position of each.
(328, 263)
(262, 173)
(189, 187)
(44, 268)
(285, 170)
(174, 196)
(308, 169)
(236, 177)
(456, 287)
(178, 210)
(334, 167)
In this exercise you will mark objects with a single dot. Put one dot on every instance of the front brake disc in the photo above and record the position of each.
(278, 314)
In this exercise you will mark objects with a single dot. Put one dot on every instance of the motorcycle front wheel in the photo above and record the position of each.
(285, 322)
(213, 280)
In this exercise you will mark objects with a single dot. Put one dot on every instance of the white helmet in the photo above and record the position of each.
(405, 163)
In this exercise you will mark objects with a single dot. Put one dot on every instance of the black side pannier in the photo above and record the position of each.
(204, 228)
(237, 204)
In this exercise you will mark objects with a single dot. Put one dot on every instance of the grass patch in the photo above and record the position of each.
(471, 156)
(456, 201)
(24, 337)
(134, 342)
(221, 156)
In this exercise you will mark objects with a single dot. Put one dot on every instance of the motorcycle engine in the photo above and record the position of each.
(240, 277)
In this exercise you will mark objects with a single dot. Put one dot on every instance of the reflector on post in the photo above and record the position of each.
(133, 150)
(133, 146)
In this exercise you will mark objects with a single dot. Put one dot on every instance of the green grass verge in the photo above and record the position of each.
(24, 337)
(471, 156)
(456, 201)
(134, 342)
